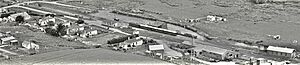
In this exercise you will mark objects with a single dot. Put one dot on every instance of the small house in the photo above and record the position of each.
(24, 14)
(14, 43)
(46, 21)
(87, 33)
(156, 47)
(120, 24)
(132, 43)
(6, 40)
(30, 45)
(75, 28)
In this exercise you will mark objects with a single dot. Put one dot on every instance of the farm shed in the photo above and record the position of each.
(156, 48)
(214, 52)
(278, 51)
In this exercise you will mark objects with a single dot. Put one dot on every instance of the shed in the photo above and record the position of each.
(280, 51)
(156, 47)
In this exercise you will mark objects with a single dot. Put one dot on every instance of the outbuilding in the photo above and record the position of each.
(213, 52)
(271, 48)
(30, 45)
(6, 40)
(280, 51)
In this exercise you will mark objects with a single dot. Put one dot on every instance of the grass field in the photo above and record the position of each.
(86, 57)
(246, 20)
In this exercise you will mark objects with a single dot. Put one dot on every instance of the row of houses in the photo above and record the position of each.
(70, 27)
(224, 54)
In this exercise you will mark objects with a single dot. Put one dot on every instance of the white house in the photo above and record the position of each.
(30, 45)
(6, 40)
(88, 33)
(74, 28)
(45, 21)
(132, 43)
(24, 14)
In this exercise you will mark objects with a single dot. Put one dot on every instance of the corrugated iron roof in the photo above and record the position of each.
(210, 49)
(281, 49)
(156, 47)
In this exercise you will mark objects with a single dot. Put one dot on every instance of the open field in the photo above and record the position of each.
(86, 57)
(246, 20)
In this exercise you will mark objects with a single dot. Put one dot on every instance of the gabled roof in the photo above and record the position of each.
(280, 49)
(156, 47)
(130, 41)
(14, 41)
(210, 49)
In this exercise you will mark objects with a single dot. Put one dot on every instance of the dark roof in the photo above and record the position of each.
(2, 15)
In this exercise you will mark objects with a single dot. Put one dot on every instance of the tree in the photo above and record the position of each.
(61, 29)
(51, 23)
(80, 21)
(51, 31)
(20, 19)
(50, 15)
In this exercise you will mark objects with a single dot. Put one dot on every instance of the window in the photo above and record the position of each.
(230, 54)
(285, 54)
(128, 45)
